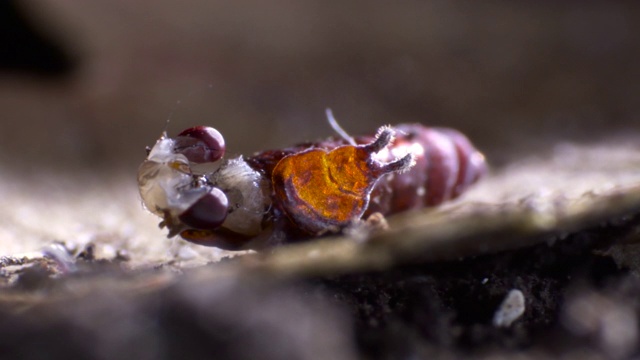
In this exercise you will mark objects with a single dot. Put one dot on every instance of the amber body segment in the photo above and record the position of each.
(322, 190)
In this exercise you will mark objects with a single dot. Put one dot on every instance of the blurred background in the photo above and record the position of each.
(86, 85)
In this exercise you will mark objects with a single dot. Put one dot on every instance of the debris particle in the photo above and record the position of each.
(59, 253)
(510, 310)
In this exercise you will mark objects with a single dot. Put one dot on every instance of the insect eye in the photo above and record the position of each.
(209, 212)
(200, 144)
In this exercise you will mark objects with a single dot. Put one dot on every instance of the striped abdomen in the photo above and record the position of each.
(446, 165)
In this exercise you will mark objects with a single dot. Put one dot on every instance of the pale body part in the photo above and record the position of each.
(247, 193)
(166, 182)
(169, 187)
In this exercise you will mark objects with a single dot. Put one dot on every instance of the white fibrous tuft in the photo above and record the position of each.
(247, 197)
(397, 152)
(387, 129)
(165, 181)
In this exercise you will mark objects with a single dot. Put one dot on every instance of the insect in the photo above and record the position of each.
(302, 191)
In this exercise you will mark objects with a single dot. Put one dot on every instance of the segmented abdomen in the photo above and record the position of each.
(446, 165)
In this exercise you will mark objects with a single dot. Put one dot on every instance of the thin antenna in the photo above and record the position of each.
(338, 129)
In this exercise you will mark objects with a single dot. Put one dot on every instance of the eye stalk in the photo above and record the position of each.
(200, 144)
(209, 212)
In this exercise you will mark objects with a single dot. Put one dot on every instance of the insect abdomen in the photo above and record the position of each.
(446, 164)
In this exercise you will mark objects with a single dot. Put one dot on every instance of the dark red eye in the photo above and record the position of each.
(200, 144)
(208, 212)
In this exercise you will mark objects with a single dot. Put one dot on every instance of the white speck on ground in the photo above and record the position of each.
(511, 308)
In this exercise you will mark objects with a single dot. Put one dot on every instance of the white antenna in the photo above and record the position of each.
(338, 129)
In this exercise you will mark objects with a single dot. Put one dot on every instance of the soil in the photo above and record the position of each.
(448, 307)
(441, 309)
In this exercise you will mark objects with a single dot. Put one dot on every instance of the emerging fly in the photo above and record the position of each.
(302, 191)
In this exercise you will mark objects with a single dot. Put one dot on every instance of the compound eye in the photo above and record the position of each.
(200, 144)
(209, 212)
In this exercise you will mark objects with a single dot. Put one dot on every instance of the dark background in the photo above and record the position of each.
(87, 84)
